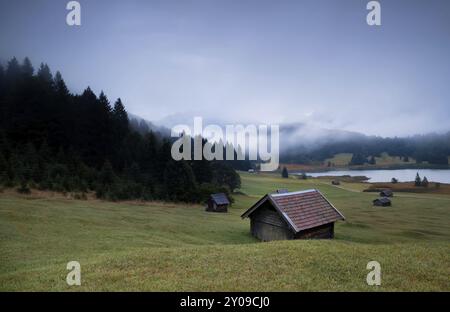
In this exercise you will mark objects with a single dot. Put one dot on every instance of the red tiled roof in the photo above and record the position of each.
(302, 210)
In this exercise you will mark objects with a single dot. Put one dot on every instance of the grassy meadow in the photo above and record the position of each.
(156, 246)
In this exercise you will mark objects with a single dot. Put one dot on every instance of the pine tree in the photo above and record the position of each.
(27, 68)
(284, 173)
(88, 95)
(425, 182)
(44, 74)
(13, 70)
(104, 103)
(120, 117)
(60, 85)
(372, 161)
(418, 181)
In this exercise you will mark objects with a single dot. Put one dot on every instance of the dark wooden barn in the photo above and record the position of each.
(386, 193)
(384, 202)
(294, 215)
(335, 182)
(217, 203)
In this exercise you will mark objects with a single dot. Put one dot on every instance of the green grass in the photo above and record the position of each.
(158, 246)
(339, 160)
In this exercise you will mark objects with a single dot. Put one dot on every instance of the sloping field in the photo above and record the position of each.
(160, 246)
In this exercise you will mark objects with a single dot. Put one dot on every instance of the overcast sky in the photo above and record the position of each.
(316, 62)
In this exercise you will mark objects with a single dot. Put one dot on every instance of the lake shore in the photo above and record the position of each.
(383, 175)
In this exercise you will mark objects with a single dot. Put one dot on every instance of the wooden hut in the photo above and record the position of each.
(217, 203)
(293, 215)
(386, 193)
(383, 202)
(335, 182)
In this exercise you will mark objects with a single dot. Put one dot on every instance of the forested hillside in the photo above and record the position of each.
(54, 140)
(431, 148)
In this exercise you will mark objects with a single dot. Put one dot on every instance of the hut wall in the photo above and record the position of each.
(221, 208)
(213, 207)
(266, 225)
(323, 231)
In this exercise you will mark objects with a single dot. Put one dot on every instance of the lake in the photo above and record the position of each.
(403, 175)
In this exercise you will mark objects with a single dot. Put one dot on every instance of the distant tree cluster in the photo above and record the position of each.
(54, 140)
(431, 148)
(421, 182)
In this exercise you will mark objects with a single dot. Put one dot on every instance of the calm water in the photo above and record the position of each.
(403, 175)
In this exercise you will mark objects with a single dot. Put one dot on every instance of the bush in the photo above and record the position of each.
(394, 180)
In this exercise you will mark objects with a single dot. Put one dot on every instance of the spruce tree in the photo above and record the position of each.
(60, 85)
(44, 74)
(425, 182)
(13, 70)
(27, 68)
(418, 181)
(120, 117)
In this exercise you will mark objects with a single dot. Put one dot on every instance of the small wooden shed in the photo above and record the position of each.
(335, 182)
(384, 202)
(293, 215)
(217, 203)
(386, 193)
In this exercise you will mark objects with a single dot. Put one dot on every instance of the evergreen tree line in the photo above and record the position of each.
(54, 140)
